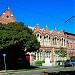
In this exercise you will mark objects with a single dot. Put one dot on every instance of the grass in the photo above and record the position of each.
(21, 70)
(59, 66)
(24, 70)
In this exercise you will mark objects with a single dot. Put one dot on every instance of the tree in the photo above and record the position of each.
(16, 40)
(61, 53)
(72, 57)
(16, 34)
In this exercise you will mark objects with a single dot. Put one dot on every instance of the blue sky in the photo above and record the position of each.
(52, 13)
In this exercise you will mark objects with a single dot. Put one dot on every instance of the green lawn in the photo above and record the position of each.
(23, 70)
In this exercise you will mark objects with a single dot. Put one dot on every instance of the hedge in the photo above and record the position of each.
(39, 62)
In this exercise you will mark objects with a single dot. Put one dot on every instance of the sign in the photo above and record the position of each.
(4, 54)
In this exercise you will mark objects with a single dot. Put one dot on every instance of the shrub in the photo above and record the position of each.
(39, 62)
(60, 61)
(73, 57)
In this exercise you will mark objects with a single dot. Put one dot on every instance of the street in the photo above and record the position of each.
(39, 72)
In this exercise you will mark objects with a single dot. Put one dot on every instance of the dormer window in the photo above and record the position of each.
(7, 16)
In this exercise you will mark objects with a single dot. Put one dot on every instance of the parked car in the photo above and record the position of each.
(69, 63)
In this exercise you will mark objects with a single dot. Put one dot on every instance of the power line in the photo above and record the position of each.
(69, 19)
(31, 11)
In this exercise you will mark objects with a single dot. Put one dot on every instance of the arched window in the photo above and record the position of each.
(40, 36)
(46, 38)
(37, 35)
(64, 42)
(55, 40)
(49, 37)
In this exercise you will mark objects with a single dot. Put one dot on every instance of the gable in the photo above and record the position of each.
(7, 17)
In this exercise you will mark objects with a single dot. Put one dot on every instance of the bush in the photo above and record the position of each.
(60, 61)
(73, 57)
(39, 62)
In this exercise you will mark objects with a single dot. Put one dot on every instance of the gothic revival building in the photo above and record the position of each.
(7, 17)
(51, 41)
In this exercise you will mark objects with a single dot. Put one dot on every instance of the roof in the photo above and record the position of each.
(69, 33)
(7, 17)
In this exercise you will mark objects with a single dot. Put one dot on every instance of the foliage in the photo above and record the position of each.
(18, 36)
(39, 62)
(73, 57)
(61, 52)
(60, 61)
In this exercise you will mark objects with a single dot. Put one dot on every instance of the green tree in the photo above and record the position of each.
(19, 35)
(72, 57)
(16, 40)
(61, 53)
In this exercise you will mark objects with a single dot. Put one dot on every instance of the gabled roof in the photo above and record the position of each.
(54, 33)
(46, 31)
(62, 33)
(37, 29)
(7, 17)
(70, 35)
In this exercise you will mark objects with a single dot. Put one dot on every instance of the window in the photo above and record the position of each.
(7, 16)
(46, 37)
(64, 42)
(40, 38)
(74, 46)
(37, 35)
(55, 41)
(49, 38)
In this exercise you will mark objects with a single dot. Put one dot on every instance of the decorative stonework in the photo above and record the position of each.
(55, 40)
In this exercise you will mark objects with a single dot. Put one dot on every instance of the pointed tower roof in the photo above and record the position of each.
(7, 17)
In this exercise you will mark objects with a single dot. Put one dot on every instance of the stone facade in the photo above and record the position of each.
(7, 17)
(52, 40)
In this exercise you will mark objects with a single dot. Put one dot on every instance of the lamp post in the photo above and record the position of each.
(4, 61)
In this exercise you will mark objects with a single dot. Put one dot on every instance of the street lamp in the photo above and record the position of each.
(4, 61)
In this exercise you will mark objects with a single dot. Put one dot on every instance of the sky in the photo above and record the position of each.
(51, 13)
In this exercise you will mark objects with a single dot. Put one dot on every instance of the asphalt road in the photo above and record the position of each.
(38, 72)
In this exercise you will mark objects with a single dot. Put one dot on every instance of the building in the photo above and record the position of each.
(7, 17)
(51, 41)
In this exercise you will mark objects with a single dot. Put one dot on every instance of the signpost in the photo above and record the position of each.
(4, 61)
